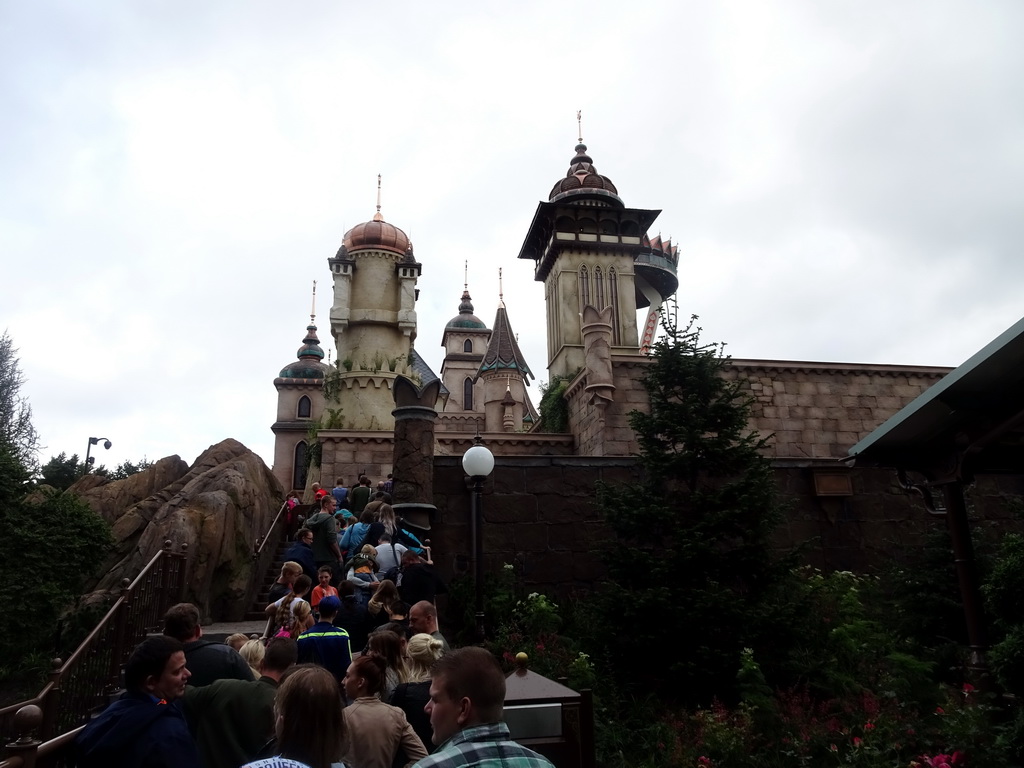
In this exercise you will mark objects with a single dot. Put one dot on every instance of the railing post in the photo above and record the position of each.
(120, 636)
(26, 720)
(51, 702)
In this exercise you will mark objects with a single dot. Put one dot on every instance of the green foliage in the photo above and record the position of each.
(554, 410)
(16, 428)
(62, 470)
(49, 548)
(691, 560)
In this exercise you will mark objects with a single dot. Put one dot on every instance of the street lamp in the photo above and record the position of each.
(478, 463)
(90, 460)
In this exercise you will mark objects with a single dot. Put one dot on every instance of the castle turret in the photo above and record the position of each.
(589, 248)
(373, 319)
(504, 370)
(464, 340)
(300, 401)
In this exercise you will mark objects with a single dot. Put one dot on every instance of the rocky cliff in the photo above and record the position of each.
(218, 507)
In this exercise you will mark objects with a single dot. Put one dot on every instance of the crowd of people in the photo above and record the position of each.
(352, 673)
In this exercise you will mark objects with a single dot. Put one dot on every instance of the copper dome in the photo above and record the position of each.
(377, 234)
(584, 180)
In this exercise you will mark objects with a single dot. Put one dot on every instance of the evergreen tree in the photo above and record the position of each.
(16, 428)
(692, 580)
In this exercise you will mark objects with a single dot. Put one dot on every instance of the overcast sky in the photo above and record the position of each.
(845, 181)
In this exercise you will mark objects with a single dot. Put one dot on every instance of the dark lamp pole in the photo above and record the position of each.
(94, 441)
(478, 463)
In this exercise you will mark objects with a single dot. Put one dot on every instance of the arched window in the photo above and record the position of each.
(609, 227)
(565, 224)
(599, 288)
(467, 345)
(467, 394)
(584, 287)
(613, 299)
(305, 407)
(587, 225)
(629, 228)
(299, 468)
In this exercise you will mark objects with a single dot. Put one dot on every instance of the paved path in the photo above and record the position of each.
(221, 630)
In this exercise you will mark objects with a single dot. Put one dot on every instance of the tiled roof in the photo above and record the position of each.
(503, 351)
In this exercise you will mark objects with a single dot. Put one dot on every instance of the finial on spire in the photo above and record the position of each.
(312, 309)
(501, 293)
(579, 123)
(377, 216)
(465, 275)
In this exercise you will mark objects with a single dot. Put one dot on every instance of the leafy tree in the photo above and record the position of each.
(127, 468)
(62, 470)
(16, 427)
(51, 545)
(692, 581)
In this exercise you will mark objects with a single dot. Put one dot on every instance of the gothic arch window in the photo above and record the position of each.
(613, 300)
(467, 394)
(305, 407)
(584, 287)
(467, 345)
(599, 301)
(299, 467)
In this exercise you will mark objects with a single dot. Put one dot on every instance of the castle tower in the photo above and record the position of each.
(505, 375)
(464, 340)
(300, 402)
(373, 319)
(589, 248)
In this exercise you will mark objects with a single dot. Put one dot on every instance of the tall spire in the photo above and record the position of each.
(579, 124)
(465, 275)
(503, 353)
(501, 293)
(312, 310)
(377, 216)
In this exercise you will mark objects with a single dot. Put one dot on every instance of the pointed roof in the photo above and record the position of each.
(503, 353)
(466, 320)
(309, 363)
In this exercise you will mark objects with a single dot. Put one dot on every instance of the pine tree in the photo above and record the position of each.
(692, 577)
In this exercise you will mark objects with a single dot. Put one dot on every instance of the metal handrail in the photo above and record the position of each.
(262, 541)
(84, 683)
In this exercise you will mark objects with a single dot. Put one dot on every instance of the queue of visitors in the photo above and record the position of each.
(351, 673)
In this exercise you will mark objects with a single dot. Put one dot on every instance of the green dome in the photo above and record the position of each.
(466, 318)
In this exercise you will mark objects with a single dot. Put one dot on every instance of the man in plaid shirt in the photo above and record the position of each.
(467, 695)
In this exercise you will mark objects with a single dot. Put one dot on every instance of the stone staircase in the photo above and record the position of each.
(255, 612)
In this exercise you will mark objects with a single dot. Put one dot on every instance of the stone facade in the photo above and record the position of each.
(818, 411)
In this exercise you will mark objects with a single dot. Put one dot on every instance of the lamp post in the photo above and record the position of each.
(90, 460)
(478, 463)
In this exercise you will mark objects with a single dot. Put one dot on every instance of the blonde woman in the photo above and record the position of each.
(421, 652)
(253, 652)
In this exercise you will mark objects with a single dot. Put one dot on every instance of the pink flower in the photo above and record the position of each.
(968, 688)
(869, 726)
(940, 711)
(703, 761)
(833, 748)
(857, 741)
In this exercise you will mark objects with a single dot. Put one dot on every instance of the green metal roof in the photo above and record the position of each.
(975, 412)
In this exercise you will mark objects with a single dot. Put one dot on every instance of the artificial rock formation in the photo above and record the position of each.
(218, 507)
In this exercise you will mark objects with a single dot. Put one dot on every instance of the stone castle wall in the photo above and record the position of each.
(540, 514)
(603, 430)
(820, 410)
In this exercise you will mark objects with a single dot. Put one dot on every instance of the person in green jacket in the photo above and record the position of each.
(232, 720)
